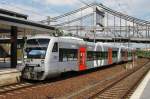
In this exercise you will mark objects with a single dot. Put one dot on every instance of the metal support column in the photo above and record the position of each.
(120, 30)
(114, 29)
(94, 22)
(126, 29)
(146, 31)
(107, 25)
(120, 26)
(13, 46)
(133, 29)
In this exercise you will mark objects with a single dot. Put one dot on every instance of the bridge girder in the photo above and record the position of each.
(125, 27)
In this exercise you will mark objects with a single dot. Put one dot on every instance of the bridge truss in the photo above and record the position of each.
(98, 22)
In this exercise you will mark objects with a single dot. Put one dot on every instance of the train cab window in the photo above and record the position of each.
(55, 47)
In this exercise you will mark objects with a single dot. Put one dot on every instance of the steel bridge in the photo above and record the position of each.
(100, 23)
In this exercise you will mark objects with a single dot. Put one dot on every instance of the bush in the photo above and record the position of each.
(141, 53)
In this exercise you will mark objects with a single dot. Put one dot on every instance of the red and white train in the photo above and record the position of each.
(46, 56)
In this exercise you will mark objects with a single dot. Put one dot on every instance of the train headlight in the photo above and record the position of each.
(25, 57)
(42, 61)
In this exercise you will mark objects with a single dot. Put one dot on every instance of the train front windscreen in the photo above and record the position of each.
(36, 48)
(36, 52)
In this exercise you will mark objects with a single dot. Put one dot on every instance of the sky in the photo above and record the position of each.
(40, 9)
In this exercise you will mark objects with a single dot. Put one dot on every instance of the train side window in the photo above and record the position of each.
(55, 47)
(114, 54)
(61, 54)
(97, 55)
(90, 56)
(102, 55)
(68, 54)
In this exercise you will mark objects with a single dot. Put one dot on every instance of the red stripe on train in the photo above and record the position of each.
(82, 58)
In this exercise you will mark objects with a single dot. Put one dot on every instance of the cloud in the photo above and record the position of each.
(57, 2)
(34, 13)
(136, 8)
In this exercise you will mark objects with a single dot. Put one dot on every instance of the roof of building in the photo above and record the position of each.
(12, 13)
(23, 23)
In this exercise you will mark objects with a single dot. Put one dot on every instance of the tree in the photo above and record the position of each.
(58, 32)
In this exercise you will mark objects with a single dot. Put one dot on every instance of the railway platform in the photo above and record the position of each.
(142, 91)
(9, 76)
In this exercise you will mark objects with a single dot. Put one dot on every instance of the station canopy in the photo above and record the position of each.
(24, 26)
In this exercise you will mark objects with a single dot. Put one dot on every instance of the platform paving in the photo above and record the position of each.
(9, 76)
(143, 90)
(146, 92)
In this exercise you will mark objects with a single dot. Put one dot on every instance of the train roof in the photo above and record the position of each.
(40, 36)
(72, 38)
(79, 40)
(107, 45)
(48, 36)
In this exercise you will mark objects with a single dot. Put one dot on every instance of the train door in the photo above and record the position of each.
(82, 58)
(109, 55)
(54, 57)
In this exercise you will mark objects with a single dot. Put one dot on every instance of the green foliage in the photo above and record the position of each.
(58, 32)
(141, 53)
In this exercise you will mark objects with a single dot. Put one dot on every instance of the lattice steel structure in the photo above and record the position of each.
(98, 22)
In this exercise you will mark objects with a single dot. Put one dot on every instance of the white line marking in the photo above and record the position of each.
(140, 88)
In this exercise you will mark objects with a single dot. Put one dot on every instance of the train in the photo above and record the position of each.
(46, 57)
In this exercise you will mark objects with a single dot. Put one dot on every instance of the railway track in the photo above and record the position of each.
(14, 87)
(122, 87)
(119, 87)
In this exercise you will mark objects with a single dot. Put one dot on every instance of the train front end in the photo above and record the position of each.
(34, 58)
